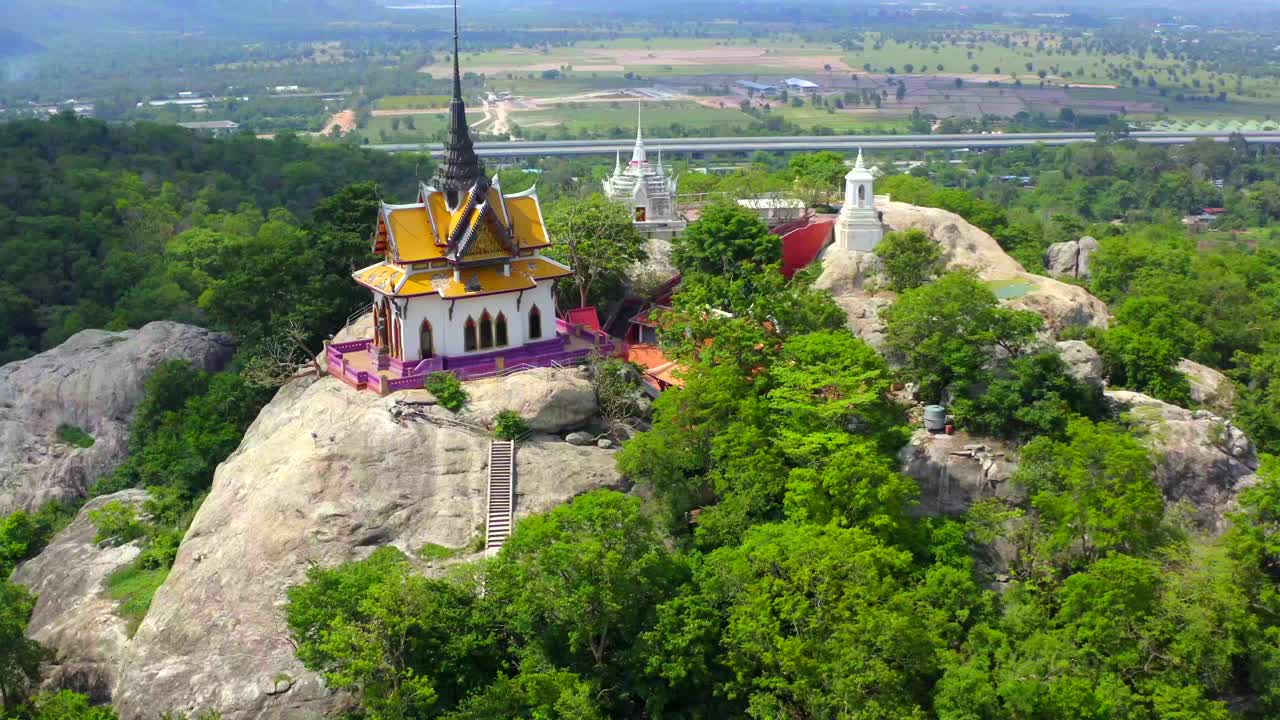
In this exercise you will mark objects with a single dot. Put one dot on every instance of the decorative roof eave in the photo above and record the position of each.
(391, 233)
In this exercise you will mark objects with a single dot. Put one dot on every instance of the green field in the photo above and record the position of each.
(605, 120)
(842, 122)
(412, 102)
(396, 129)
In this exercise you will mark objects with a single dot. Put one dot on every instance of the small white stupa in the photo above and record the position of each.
(859, 226)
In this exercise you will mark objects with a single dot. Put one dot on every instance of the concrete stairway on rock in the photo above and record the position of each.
(501, 505)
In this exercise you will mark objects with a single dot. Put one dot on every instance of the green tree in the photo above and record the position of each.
(580, 584)
(813, 621)
(910, 259)
(727, 240)
(947, 331)
(1030, 396)
(598, 239)
(20, 658)
(117, 523)
(68, 705)
(407, 646)
(1144, 362)
(1095, 491)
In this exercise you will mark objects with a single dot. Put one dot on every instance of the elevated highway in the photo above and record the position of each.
(845, 143)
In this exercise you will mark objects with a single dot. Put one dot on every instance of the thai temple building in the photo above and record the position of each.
(462, 285)
(860, 226)
(649, 191)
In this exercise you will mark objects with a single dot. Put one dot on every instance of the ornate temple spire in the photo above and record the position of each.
(617, 164)
(637, 154)
(460, 168)
(857, 164)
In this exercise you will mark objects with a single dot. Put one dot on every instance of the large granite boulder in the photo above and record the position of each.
(857, 275)
(324, 475)
(74, 616)
(1083, 362)
(955, 471)
(552, 400)
(1071, 258)
(1209, 387)
(1200, 458)
(93, 382)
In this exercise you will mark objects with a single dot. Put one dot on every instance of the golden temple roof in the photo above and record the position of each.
(390, 279)
(485, 225)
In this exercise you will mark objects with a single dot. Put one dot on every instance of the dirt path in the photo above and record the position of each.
(344, 119)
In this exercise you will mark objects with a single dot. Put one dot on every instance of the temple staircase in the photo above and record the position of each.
(502, 497)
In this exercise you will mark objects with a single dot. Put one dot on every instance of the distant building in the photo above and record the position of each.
(648, 191)
(859, 226)
(757, 87)
(801, 84)
(212, 127)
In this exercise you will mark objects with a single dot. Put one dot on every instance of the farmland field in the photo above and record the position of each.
(619, 119)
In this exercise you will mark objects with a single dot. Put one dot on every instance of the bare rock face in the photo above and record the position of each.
(954, 471)
(1083, 362)
(964, 246)
(94, 382)
(849, 271)
(1200, 457)
(73, 614)
(863, 312)
(1071, 258)
(324, 475)
(1209, 387)
(552, 400)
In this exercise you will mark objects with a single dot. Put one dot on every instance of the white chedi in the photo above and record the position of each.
(859, 226)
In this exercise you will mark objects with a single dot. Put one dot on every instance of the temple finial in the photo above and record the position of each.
(857, 164)
(460, 168)
(617, 164)
(457, 75)
(638, 154)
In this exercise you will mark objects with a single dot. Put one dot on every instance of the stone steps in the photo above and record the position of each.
(500, 511)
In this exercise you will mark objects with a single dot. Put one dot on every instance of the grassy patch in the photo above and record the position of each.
(412, 102)
(74, 436)
(432, 551)
(1011, 288)
(133, 588)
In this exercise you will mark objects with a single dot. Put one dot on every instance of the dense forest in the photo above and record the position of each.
(772, 564)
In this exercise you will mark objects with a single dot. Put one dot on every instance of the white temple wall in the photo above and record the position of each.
(449, 333)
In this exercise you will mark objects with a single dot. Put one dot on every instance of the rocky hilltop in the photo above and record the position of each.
(93, 383)
(853, 277)
(324, 475)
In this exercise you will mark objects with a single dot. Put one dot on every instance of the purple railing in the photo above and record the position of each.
(413, 375)
(354, 345)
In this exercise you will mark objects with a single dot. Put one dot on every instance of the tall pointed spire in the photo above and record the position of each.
(460, 168)
(617, 164)
(858, 163)
(637, 154)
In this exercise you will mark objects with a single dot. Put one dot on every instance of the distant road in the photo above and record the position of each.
(683, 146)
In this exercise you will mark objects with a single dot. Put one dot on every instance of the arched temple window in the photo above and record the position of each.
(486, 330)
(427, 345)
(535, 323)
(469, 335)
(500, 330)
(862, 196)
